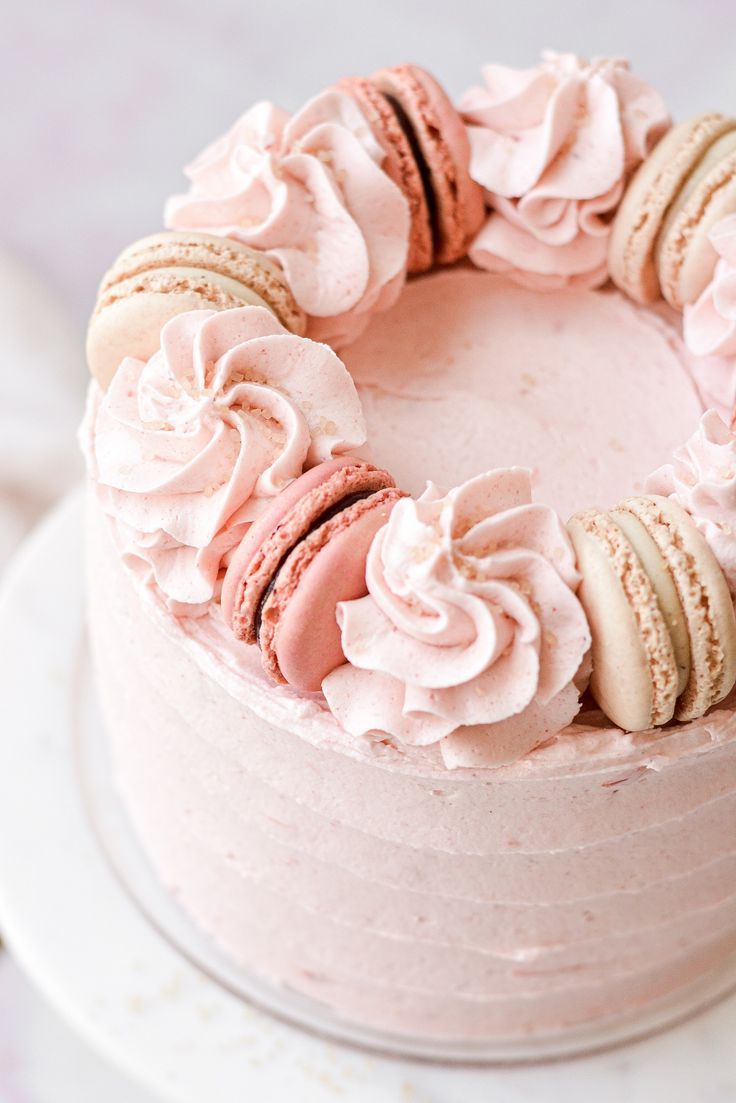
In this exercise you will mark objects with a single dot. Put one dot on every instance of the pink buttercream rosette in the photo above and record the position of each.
(309, 191)
(702, 479)
(471, 633)
(553, 148)
(187, 448)
(710, 323)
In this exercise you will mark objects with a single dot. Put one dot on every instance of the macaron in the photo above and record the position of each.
(400, 165)
(656, 570)
(172, 272)
(705, 599)
(305, 554)
(635, 677)
(428, 156)
(661, 616)
(685, 256)
(634, 251)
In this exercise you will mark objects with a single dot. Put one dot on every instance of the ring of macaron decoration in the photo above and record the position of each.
(228, 445)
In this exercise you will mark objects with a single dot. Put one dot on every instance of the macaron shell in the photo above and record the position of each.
(634, 678)
(221, 255)
(705, 600)
(399, 165)
(312, 495)
(654, 186)
(658, 574)
(459, 195)
(446, 149)
(300, 636)
(686, 257)
(132, 313)
(255, 538)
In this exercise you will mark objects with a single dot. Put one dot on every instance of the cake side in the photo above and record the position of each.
(346, 719)
(595, 875)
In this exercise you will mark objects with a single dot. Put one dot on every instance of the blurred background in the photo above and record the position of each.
(104, 101)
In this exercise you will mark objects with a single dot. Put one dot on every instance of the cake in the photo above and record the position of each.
(453, 769)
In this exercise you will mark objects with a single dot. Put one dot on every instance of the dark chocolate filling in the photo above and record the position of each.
(322, 519)
(424, 170)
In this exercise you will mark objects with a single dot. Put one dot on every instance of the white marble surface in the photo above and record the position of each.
(102, 103)
(42, 1060)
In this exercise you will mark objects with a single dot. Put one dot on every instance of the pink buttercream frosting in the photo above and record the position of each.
(710, 323)
(553, 147)
(309, 191)
(587, 882)
(186, 449)
(702, 478)
(471, 632)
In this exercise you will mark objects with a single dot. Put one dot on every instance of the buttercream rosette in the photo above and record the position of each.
(471, 634)
(702, 479)
(309, 191)
(553, 147)
(710, 323)
(187, 448)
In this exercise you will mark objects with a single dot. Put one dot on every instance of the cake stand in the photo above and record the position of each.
(125, 987)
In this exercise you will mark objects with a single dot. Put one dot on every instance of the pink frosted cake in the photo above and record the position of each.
(412, 614)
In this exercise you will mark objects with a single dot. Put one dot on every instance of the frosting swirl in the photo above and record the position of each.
(553, 147)
(702, 479)
(187, 448)
(710, 323)
(310, 192)
(471, 632)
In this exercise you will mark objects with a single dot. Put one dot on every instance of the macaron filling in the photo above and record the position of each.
(425, 173)
(322, 519)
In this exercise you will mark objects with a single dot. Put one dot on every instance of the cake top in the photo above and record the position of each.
(228, 443)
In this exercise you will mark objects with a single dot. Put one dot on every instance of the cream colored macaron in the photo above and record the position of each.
(635, 677)
(704, 597)
(685, 255)
(660, 612)
(654, 188)
(664, 588)
(169, 273)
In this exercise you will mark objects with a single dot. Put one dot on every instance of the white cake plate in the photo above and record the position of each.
(140, 1002)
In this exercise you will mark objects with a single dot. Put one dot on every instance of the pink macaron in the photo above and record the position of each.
(302, 557)
(427, 154)
(442, 148)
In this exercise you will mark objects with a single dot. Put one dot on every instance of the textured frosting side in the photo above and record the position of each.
(391, 893)
(553, 147)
